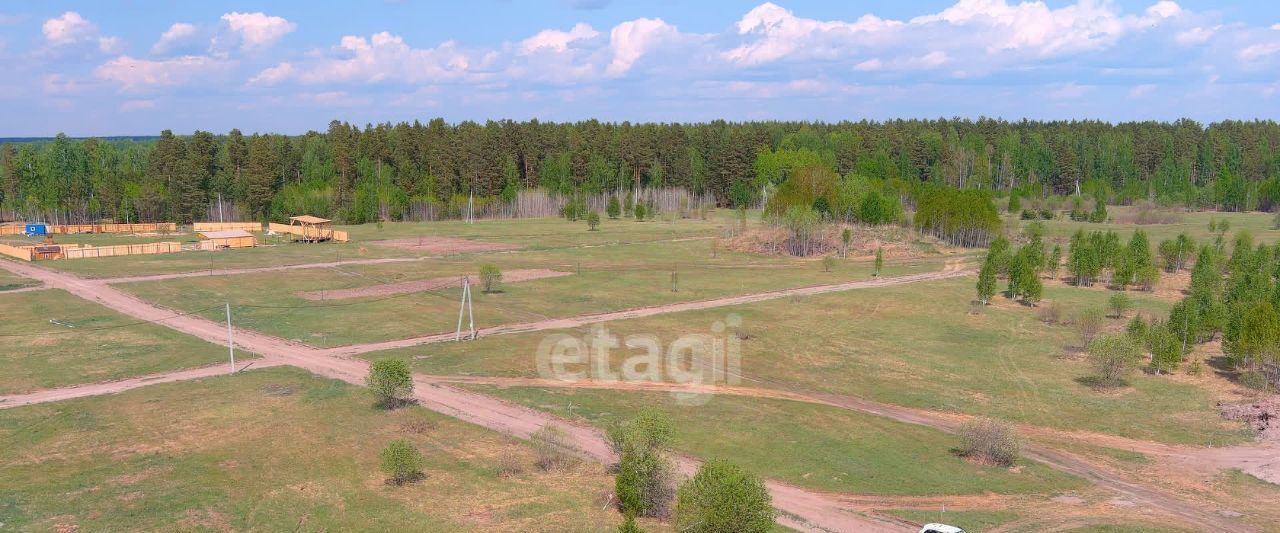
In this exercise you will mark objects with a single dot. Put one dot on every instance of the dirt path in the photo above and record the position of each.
(802, 509)
(113, 387)
(951, 270)
(406, 287)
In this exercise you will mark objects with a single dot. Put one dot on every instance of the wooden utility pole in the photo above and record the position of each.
(231, 341)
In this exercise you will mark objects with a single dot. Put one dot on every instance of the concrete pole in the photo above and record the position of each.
(231, 342)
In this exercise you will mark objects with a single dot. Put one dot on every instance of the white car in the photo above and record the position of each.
(940, 528)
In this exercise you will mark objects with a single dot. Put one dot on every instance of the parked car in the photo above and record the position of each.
(940, 528)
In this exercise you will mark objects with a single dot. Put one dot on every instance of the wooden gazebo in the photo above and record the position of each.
(311, 229)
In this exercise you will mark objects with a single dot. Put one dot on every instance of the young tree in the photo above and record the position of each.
(846, 237)
(391, 381)
(401, 461)
(1000, 255)
(1166, 348)
(640, 212)
(645, 483)
(615, 208)
(628, 207)
(828, 263)
(1119, 303)
(1259, 338)
(1054, 262)
(722, 497)
(490, 278)
(593, 221)
(879, 263)
(1088, 323)
(1114, 358)
(1137, 330)
(987, 281)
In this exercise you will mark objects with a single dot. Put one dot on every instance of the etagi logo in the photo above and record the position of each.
(692, 362)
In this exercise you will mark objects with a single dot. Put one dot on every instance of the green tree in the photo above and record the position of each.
(640, 212)
(724, 498)
(828, 263)
(490, 278)
(879, 262)
(987, 281)
(1054, 262)
(401, 461)
(593, 221)
(1119, 303)
(615, 208)
(1000, 256)
(1259, 340)
(1113, 358)
(846, 237)
(1166, 348)
(391, 380)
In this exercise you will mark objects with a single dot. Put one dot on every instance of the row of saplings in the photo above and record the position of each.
(720, 498)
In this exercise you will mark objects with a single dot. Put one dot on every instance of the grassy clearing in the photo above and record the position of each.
(914, 345)
(970, 521)
(605, 279)
(1195, 224)
(195, 261)
(273, 449)
(37, 353)
(10, 281)
(813, 446)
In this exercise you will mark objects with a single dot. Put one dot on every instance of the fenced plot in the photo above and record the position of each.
(84, 252)
(226, 226)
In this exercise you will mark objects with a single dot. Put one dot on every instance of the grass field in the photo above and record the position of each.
(274, 449)
(10, 281)
(604, 279)
(812, 446)
(915, 345)
(1195, 224)
(50, 338)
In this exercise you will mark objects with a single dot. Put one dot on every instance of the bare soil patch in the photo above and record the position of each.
(445, 245)
(405, 287)
(1262, 415)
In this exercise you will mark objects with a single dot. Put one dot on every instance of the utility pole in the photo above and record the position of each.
(466, 308)
(231, 342)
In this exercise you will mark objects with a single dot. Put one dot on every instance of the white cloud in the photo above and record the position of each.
(868, 65)
(178, 34)
(68, 29)
(273, 75)
(1139, 91)
(779, 33)
(136, 74)
(1069, 91)
(110, 45)
(257, 30)
(129, 106)
(57, 84)
(1086, 25)
(1197, 35)
(1259, 51)
(632, 39)
(557, 40)
(1276, 26)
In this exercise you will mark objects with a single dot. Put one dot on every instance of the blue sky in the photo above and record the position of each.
(136, 67)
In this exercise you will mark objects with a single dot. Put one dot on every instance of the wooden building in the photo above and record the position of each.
(231, 238)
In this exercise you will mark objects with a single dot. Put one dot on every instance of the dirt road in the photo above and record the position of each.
(952, 270)
(802, 509)
(113, 387)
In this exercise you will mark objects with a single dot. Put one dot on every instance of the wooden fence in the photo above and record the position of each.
(223, 226)
(151, 248)
(15, 251)
(13, 229)
(310, 232)
(111, 228)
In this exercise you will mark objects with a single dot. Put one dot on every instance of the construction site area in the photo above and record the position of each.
(852, 422)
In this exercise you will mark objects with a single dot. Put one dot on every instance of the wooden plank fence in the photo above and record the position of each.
(150, 248)
(16, 252)
(223, 226)
(65, 229)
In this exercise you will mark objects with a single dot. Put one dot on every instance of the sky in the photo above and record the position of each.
(117, 67)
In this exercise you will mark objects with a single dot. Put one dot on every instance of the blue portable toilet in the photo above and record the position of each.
(36, 229)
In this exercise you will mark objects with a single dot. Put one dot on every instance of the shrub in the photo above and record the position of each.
(614, 209)
(990, 441)
(1114, 358)
(628, 525)
(509, 463)
(1119, 303)
(490, 278)
(593, 221)
(1051, 313)
(1088, 323)
(645, 484)
(879, 263)
(391, 381)
(722, 497)
(552, 447)
(401, 461)
(1255, 380)
(640, 212)
(828, 263)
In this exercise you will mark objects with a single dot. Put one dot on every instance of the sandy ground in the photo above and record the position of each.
(406, 287)
(445, 245)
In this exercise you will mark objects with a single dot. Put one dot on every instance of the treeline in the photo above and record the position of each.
(379, 171)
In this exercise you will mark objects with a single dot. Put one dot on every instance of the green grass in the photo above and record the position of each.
(10, 281)
(970, 521)
(605, 279)
(915, 345)
(274, 449)
(1195, 224)
(37, 353)
(812, 446)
